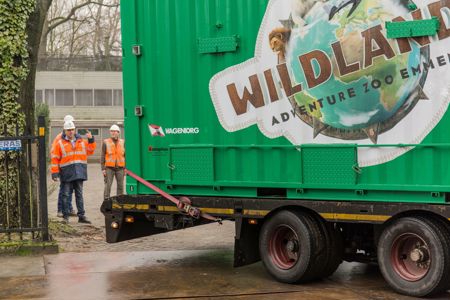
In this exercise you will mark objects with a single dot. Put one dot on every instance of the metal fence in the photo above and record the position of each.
(23, 185)
(80, 63)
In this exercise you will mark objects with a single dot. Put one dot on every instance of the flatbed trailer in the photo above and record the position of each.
(322, 138)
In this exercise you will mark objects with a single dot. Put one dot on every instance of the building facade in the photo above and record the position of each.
(94, 99)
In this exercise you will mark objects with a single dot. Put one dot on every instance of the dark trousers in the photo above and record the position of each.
(60, 199)
(109, 178)
(68, 188)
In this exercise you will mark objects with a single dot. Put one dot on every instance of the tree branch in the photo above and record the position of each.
(61, 20)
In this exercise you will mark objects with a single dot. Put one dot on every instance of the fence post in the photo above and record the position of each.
(43, 177)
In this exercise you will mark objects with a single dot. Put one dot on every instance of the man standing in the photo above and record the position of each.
(59, 207)
(113, 161)
(69, 164)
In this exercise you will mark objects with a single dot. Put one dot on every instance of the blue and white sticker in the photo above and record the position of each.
(14, 145)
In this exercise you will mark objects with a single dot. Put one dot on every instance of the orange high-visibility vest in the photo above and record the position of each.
(115, 153)
(56, 140)
(64, 154)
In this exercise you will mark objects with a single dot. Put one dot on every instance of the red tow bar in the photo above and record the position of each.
(184, 204)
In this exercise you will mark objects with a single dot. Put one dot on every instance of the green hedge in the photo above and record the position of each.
(14, 15)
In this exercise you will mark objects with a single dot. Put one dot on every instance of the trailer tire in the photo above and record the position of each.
(444, 228)
(413, 256)
(290, 246)
(335, 251)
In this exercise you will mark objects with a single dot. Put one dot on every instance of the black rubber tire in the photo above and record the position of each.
(444, 227)
(438, 241)
(320, 236)
(311, 243)
(335, 251)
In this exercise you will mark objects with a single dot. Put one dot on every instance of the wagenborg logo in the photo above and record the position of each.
(157, 130)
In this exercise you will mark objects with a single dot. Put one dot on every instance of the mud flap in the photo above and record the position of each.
(246, 243)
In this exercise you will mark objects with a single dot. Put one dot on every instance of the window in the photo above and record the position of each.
(38, 96)
(118, 98)
(63, 97)
(83, 131)
(84, 97)
(102, 97)
(49, 97)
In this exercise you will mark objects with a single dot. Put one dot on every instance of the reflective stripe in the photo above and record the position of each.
(54, 166)
(65, 154)
(56, 156)
(108, 146)
(62, 148)
(83, 147)
(73, 162)
(75, 153)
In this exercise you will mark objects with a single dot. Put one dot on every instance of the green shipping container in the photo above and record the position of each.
(367, 125)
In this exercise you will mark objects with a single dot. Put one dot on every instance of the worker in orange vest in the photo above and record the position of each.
(59, 214)
(113, 161)
(69, 165)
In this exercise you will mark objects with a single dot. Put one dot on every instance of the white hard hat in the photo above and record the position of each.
(68, 118)
(69, 125)
(114, 128)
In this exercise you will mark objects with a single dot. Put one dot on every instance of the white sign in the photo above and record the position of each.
(15, 145)
(324, 71)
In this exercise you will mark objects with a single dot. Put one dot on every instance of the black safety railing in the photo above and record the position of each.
(23, 185)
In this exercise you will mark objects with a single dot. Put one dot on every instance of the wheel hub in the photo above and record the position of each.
(292, 246)
(284, 247)
(411, 257)
(419, 255)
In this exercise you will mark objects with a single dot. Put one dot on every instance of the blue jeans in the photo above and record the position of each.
(68, 188)
(60, 199)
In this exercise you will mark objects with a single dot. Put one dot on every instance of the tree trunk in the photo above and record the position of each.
(26, 100)
(42, 54)
(34, 28)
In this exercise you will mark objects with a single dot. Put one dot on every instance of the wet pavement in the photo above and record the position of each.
(197, 266)
(199, 274)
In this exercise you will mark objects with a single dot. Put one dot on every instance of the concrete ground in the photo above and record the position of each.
(194, 263)
(198, 274)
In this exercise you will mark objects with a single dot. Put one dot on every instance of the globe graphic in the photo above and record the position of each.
(380, 89)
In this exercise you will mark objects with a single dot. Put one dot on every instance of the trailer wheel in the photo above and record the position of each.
(413, 256)
(290, 243)
(335, 251)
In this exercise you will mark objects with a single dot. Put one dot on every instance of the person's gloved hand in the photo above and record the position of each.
(55, 177)
(104, 173)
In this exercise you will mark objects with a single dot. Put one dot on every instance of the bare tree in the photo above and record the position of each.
(82, 28)
(22, 66)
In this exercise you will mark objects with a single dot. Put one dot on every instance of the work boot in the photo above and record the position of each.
(65, 220)
(83, 220)
(59, 214)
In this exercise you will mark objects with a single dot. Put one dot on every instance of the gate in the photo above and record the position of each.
(23, 183)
